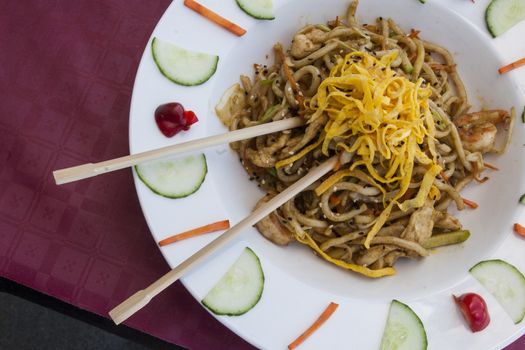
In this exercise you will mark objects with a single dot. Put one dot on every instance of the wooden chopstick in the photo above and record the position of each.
(138, 300)
(85, 171)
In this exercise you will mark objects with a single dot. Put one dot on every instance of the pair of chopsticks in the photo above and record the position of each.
(141, 298)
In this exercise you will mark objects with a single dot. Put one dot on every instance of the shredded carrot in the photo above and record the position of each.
(520, 230)
(490, 166)
(216, 226)
(512, 66)
(291, 79)
(214, 17)
(335, 23)
(338, 164)
(444, 176)
(470, 203)
(481, 180)
(334, 200)
(318, 323)
(414, 34)
(447, 68)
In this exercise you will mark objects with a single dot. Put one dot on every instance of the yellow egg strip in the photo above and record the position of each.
(299, 155)
(388, 119)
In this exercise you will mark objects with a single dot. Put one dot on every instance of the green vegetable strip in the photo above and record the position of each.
(448, 238)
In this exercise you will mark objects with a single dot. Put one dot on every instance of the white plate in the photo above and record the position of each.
(298, 284)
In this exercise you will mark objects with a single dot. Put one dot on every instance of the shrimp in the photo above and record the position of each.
(478, 130)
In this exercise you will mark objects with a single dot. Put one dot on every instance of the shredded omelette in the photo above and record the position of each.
(384, 120)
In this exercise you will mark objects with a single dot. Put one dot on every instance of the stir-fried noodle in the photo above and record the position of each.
(395, 108)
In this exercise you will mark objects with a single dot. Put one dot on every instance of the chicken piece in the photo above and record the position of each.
(310, 133)
(369, 256)
(271, 228)
(478, 130)
(305, 43)
(420, 225)
(264, 157)
(391, 258)
(445, 221)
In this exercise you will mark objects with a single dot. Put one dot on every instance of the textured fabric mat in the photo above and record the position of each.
(66, 74)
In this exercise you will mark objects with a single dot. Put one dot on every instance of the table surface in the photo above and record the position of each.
(66, 75)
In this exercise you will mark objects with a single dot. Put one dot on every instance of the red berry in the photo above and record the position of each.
(171, 118)
(190, 117)
(474, 310)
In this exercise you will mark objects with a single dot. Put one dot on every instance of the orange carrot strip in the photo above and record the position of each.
(444, 176)
(318, 323)
(481, 180)
(490, 166)
(291, 79)
(520, 230)
(470, 203)
(334, 200)
(214, 17)
(216, 226)
(414, 34)
(512, 66)
(338, 164)
(445, 67)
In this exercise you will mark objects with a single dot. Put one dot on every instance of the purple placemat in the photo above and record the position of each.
(66, 74)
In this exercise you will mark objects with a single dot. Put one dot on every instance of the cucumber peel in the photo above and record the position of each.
(501, 15)
(240, 289)
(506, 283)
(404, 329)
(174, 178)
(259, 9)
(182, 66)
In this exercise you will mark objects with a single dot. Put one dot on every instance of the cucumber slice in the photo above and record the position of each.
(523, 115)
(404, 330)
(506, 283)
(181, 66)
(260, 9)
(240, 289)
(501, 15)
(175, 178)
(522, 199)
(422, 1)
